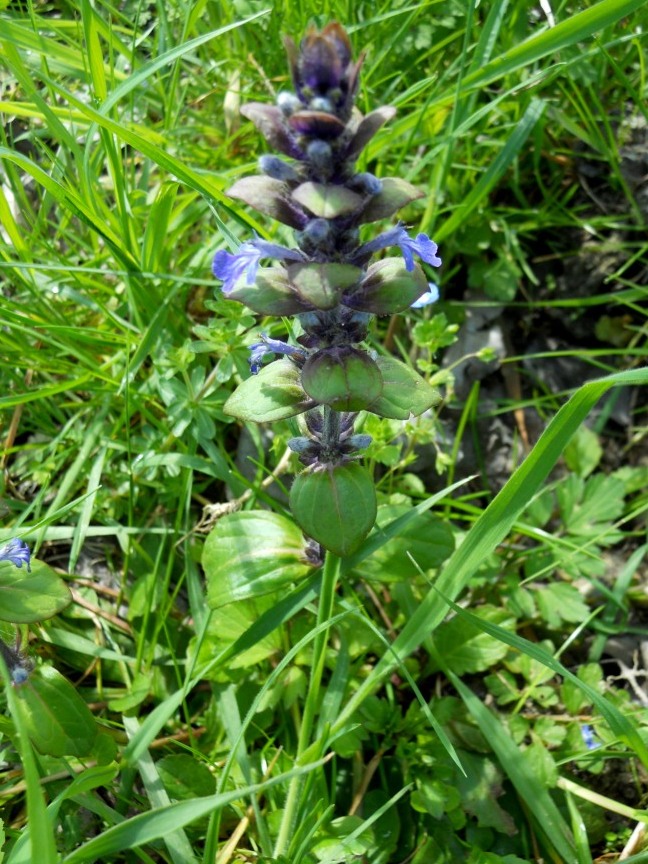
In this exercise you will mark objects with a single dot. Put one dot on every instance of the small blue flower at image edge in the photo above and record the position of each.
(16, 551)
(430, 296)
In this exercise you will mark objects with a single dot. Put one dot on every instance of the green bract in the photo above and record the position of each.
(344, 378)
(274, 394)
(321, 285)
(388, 288)
(396, 193)
(335, 505)
(271, 294)
(326, 200)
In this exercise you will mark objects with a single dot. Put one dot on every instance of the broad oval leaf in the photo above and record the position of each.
(28, 597)
(428, 539)
(226, 625)
(274, 394)
(58, 721)
(252, 553)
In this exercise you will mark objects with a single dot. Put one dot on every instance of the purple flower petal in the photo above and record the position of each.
(259, 350)
(422, 246)
(230, 267)
(16, 551)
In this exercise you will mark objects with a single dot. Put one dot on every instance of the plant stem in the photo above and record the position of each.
(324, 614)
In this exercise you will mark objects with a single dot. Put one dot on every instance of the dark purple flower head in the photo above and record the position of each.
(16, 551)
(422, 246)
(245, 262)
(259, 350)
(324, 74)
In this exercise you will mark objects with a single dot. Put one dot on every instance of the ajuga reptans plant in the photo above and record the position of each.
(329, 283)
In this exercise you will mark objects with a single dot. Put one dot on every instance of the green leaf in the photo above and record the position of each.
(464, 648)
(488, 531)
(404, 392)
(540, 805)
(268, 196)
(57, 719)
(494, 171)
(184, 777)
(346, 378)
(271, 293)
(584, 452)
(274, 394)
(559, 602)
(428, 539)
(600, 500)
(252, 553)
(227, 624)
(145, 827)
(28, 597)
(389, 287)
(321, 284)
(480, 787)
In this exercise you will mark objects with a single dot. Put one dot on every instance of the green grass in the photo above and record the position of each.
(375, 714)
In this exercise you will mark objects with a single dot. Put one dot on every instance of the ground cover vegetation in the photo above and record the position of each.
(187, 678)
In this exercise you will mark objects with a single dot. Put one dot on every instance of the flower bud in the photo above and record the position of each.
(288, 103)
(273, 166)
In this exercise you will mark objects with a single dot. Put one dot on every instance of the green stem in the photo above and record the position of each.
(324, 614)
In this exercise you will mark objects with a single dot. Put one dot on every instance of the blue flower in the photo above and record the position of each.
(270, 346)
(588, 737)
(430, 296)
(16, 551)
(422, 246)
(245, 262)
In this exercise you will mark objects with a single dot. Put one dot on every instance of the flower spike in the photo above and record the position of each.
(328, 284)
